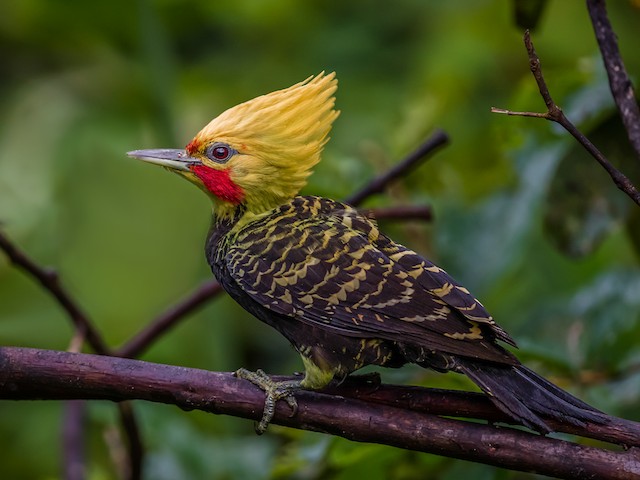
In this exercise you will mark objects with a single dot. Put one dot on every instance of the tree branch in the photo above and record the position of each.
(73, 440)
(49, 279)
(555, 114)
(438, 139)
(135, 446)
(401, 212)
(40, 374)
(619, 82)
(142, 340)
(457, 403)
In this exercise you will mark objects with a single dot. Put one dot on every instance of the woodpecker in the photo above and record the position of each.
(323, 275)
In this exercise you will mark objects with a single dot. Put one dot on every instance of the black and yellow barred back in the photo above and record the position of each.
(321, 264)
(346, 296)
(324, 264)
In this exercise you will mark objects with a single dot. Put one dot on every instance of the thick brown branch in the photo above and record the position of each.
(438, 139)
(141, 341)
(40, 374)
(555, 114)
(455, 403)
(619, 81)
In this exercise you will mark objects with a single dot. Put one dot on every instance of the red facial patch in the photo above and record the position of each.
(219, 183)
(193, 147)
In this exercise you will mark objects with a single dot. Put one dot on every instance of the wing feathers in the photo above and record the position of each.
(329, 266)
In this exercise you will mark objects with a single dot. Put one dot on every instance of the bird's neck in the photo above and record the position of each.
(227, 221)
(218, 233)
(223, 228)
(223, 221)
(225, 212)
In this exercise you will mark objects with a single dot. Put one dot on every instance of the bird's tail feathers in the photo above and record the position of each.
(528, 398)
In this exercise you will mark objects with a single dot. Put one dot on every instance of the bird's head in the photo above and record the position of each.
(257, 155)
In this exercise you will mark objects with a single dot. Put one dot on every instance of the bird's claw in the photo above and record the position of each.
(274, 391)
(292, 402)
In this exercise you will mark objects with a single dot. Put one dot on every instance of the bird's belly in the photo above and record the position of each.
(343, 354)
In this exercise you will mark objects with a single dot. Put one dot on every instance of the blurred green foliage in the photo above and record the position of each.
(524, 218)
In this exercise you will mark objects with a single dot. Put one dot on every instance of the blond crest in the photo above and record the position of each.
(279, 137)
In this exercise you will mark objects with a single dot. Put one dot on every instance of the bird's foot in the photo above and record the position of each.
(274, 391)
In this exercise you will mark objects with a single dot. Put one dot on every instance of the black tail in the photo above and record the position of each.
(527, 397)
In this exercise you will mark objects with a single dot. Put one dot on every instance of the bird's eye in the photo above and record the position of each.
(220, 152)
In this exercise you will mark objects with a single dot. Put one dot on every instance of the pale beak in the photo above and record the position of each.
(166, 157)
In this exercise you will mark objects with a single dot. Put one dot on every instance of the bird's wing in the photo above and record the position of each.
(330, 267)
(439, 283)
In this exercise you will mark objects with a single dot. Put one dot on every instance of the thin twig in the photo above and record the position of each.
(76, 342)
(50, 281)
(619, 81)
(142, 340)
(555, 114)
(73, 440)
(40, 374)
(438, 139)
(135, 447)
(520, 114)
(401, 212)
(112, 438)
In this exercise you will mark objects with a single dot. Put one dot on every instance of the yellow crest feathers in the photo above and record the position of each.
(302, 113)
(278, 136)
